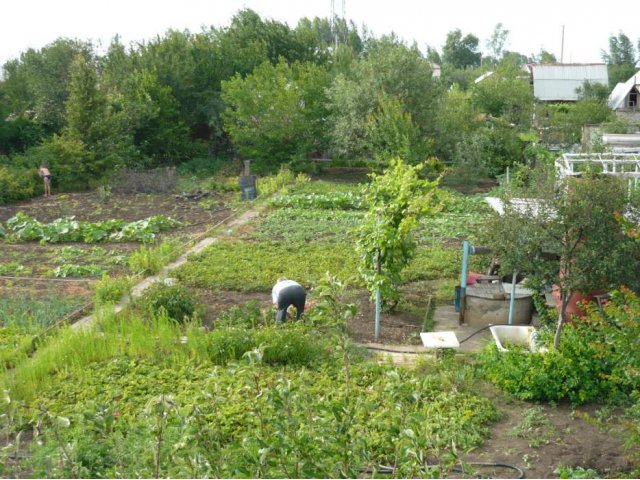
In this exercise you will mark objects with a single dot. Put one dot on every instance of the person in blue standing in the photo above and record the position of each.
(286, 293)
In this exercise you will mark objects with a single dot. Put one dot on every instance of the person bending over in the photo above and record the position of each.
(285, 293)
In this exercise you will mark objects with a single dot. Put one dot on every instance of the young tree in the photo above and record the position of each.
(506, 95)
(497, 42)
(567, 235)
(392, 133)
(396, 199)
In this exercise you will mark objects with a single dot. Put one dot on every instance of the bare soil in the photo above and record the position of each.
(88, 206)
(575, 439)
(402, 327)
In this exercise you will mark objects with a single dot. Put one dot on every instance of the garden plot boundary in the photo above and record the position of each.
(202, 243)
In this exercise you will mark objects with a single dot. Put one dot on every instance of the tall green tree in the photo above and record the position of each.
(154, 120)
(278, 112)
(39, 81)
(402, 73)
(497, 42)
(392, 133)
(621, 59)
(461, 52)
(507, 95)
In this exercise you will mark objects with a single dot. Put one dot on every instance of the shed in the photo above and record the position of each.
(559, 81)
(624, 96)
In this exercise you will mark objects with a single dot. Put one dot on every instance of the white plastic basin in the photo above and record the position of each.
(520, 335)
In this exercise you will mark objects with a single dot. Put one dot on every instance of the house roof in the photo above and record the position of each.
(619, 94)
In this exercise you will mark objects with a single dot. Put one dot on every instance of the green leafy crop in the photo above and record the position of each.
(68, 229)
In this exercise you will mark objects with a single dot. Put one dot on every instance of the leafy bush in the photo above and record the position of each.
(68, 229)
(247, 316)
(177, 301)
(110, 289)
(17, 184)
(275, 183)
(292, 345)
(598, 359)
(201, 166)
(332, 201)
(150, 260)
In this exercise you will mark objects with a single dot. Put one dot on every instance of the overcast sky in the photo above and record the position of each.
(533, 25)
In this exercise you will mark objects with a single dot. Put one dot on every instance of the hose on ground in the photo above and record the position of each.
(391, 350)
(387, 470)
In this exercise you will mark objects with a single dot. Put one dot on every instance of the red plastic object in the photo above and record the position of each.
(472, 277)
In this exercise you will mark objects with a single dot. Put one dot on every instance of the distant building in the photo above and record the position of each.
(624, 98)
(558, 82)
(436, 70)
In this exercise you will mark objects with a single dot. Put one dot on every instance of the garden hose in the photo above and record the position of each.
(386, 470)
(410, 352)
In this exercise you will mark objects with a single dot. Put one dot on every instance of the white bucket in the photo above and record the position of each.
(521, 335)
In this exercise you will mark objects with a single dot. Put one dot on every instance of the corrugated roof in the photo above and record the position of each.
(560, 81)
(619, 93)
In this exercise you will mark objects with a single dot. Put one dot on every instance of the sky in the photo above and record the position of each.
(532, 26)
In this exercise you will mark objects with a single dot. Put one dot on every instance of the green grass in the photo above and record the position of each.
(297, 225)
(147, 398)
(325, 187)
(433, 263)
(256, 266)
(30, 314)
(22, 317)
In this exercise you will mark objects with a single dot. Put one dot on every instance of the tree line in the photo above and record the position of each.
(260, 89)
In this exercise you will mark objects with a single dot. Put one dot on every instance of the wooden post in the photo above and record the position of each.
(378, 299)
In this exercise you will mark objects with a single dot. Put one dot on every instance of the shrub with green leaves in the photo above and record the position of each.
(110, 289)
(176, 301)
(331, 201)
(17, 184)
(151, 259)
(598, 359)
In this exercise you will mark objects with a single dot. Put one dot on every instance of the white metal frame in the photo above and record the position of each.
(617, 164)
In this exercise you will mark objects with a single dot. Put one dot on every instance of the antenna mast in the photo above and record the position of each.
(333, 24)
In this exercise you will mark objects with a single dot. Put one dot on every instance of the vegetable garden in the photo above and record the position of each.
(194, 379)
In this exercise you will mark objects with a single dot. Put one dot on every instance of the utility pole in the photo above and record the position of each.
(561, 48)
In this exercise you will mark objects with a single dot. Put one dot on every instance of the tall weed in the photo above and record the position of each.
(150, 259)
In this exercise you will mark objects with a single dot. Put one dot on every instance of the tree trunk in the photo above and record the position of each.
(563, 311)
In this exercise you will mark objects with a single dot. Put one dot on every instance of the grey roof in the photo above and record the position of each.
(619, 94)
(560, 81)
